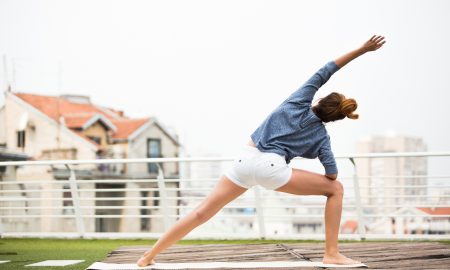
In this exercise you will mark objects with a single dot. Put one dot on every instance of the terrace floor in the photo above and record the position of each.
(377, 255)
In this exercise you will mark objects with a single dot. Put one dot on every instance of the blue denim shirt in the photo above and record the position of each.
(293, 129)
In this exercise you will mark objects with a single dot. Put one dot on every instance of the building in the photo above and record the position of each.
(389, 180)
(72, 127)
(388, 184)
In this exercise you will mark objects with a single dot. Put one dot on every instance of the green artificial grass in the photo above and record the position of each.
(23, 251)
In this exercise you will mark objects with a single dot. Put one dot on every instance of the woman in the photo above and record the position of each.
(294, 128)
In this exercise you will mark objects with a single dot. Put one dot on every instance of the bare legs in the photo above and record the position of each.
(308, 183)
(301, 183)
(224, 192)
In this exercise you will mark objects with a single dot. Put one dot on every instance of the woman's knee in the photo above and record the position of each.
(336, 189)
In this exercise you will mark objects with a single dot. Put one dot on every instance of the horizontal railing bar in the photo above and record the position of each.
(113, 161)
(113, 181)
(148, 179)
(370, 196)
(225, 207)
(202, 197)
(99, 198)
(403, 176)
(97, 190)
(176, 189)
(223, 216)
(206, 159)
(407, 186)
(108, 181)
(396, 155)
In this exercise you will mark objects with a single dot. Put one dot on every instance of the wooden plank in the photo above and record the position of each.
(388, 255)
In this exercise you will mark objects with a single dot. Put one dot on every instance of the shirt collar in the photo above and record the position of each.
(310, 118)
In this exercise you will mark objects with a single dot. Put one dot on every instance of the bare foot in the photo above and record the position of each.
(145, 260)
(337, 258)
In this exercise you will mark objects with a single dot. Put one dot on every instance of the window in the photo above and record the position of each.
(96, 139)
(21, 138)
(153, 151)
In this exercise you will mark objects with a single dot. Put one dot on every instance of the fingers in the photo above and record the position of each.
(379, 45)
(378, 39)
(376, 42)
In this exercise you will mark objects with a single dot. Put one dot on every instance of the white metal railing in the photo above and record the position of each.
(363, 212)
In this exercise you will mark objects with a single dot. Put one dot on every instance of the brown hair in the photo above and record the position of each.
(335, 107)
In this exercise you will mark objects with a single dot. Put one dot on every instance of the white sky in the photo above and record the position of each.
(213, 70)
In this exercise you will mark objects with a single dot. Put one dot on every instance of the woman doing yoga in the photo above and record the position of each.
(294, 129)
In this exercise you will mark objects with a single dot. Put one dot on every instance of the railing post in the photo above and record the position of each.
(260, 213)
(1, 223)
(76, 201)
(361, 223)
(1, 227)
(163, 197)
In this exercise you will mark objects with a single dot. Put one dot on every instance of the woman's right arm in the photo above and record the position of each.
(305, 94)
(373, 44)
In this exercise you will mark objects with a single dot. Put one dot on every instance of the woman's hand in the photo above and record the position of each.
(373, 44)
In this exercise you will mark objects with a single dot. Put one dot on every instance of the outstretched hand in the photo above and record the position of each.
(373, 44)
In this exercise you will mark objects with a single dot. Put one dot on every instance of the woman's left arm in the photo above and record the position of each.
(327, 159)
(373, 44)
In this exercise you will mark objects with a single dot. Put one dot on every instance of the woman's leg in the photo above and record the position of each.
(309, 183)
(224, 192)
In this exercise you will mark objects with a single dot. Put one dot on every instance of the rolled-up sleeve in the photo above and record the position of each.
(326, 157)
(305, 94)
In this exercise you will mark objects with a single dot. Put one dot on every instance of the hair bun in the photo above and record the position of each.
(347, 107)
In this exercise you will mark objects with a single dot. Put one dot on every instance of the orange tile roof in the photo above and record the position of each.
(56, 106)
(126, 127)
(435, 210)
(77, 121)
(76, 114)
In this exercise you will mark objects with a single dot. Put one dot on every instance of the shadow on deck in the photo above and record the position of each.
(377, 255)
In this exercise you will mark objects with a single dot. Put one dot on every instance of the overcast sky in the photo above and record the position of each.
(213, 70)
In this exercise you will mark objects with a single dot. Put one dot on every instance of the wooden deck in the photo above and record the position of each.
(377, 255)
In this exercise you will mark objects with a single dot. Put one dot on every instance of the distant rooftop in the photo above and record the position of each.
(77, 113)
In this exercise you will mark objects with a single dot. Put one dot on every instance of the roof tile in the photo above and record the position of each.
(76, 114)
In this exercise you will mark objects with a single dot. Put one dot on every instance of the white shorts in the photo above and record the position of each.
(253, 167)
